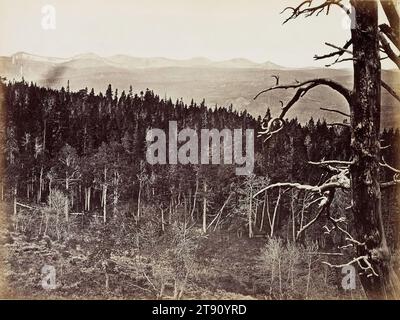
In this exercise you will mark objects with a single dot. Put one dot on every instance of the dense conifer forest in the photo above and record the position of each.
(81, 196)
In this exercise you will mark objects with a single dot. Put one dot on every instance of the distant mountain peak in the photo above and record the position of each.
(87, 55)
(271, 65)
(25, 56)
(132, 62)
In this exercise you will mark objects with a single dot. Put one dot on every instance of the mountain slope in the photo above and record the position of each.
(234, 81)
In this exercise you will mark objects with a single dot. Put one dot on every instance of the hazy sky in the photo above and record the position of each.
(179, 29)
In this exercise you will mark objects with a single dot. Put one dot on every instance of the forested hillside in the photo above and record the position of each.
(75, 176)
(235, 81)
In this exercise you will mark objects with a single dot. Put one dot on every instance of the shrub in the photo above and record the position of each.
(294, 272)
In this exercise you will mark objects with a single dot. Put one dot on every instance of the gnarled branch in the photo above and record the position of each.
(342, 124)
(388, 50)
(339, 53)
(392, 31)
(357, 260)
(389, 32)
(390, 90)
(310, 10)
(346, 93)
(302, 89)
(340, 180)
(337, 111)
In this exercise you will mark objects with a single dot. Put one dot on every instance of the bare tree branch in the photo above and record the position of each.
(276, 124)
(385, 185)
(344, 49)
(333, 162)
(337, 227)
(347, 125)
(324, 205)
(340, 180)
(314, 201)
(390, 90)
(326, 253)
(340, 61)
(269, 130)
(309, 10)
(358, 261)
(303, 88)
(386, 165)
(329, 165)
(389, 32)
(311, 222)
(396, 175)
(337, 111)
(339, 53)
(392, 31)
(388, 50)
(346, 93)
(276, 78)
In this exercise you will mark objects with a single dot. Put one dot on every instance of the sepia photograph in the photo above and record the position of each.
(198, 150)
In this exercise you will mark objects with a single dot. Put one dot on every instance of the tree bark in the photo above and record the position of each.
(50, 191)
(44, 135)
(365, 143)
(389, 7)
(115, 200)
(138, 201)
(85, 198)
(105, 196)
(263, 212)
(89, 195)
(195, 198)
(274, 214)
(162, 220)
(205, 208)
(15, 201)
(250, 213)
(66, 206)
(39, 195)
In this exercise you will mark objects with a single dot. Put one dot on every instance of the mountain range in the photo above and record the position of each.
(129, 62)
(234, 81)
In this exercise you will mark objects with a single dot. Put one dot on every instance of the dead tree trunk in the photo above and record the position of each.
(205, 207)
(250, 213)
(138, 201)
(365, 143)
(162, 220)
(39, 194)
(116, 191)
(105, 196)
(263, 212)
(86, 194)
(89, 191)
(15, 201)
(272, 224)
(50, 190)
(195, 198)
(66, 206)
(376, 272)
